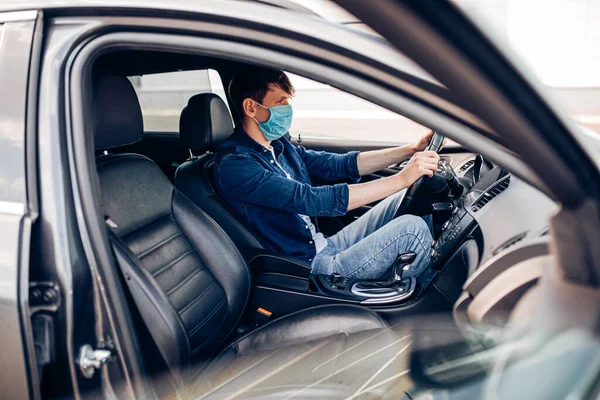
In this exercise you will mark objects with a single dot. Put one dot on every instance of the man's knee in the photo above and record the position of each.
(412, 224)
(418, 239)
(416, 232)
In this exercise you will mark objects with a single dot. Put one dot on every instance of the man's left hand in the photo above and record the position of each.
(424, 141)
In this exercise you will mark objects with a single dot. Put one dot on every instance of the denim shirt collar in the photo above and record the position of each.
(246, 141)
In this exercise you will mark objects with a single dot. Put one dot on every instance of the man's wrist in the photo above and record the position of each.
(413, 148)
(405, 152)
(400, 181)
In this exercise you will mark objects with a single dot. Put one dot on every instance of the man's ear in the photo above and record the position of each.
(249, 107)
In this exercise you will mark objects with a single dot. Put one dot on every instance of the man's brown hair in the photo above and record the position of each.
(254, 83)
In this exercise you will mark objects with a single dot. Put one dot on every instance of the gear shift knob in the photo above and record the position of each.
(403, 264)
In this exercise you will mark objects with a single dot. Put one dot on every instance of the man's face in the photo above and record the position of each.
(274, 97)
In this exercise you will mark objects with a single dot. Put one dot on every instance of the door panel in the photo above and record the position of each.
(18, 373)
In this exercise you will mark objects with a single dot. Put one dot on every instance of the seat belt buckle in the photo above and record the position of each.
(261, 317)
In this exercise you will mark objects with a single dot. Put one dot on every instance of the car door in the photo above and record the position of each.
(125, 24)
(19, 51)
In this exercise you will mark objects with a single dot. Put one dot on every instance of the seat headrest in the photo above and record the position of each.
(204, 123)
(117, 116)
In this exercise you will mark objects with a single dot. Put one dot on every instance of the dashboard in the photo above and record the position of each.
(498, 208)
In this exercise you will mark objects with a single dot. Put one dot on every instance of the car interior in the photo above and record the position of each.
(210, 297)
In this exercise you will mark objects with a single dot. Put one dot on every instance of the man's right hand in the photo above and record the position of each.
(423, 163)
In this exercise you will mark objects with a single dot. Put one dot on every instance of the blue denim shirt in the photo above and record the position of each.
(248, 178)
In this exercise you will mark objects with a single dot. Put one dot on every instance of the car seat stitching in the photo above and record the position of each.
(171, 264)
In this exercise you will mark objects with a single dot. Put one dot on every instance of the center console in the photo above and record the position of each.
(453, 230)
(289, 274)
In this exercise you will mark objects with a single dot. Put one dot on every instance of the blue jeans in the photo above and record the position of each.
(368, 247)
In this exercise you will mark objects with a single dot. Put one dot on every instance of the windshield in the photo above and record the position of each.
(558, 40)
(561, 49)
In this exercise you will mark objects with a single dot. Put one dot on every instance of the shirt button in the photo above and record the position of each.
(306, 226)
(271, 161)
(310, 259)
(310, 242)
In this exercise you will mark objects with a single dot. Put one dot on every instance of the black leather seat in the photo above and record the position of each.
(191, 285)
(205, 123)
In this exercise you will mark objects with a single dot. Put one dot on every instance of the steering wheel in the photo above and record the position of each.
(435, 144)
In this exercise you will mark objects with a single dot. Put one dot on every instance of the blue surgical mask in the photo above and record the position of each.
(279, 121)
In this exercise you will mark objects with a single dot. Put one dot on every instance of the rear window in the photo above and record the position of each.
(163, 96)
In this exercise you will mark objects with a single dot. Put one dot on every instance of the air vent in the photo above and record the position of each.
(467, 165)
(494, 191)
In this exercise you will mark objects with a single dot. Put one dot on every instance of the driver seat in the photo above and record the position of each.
(205, 123)
(191, 287)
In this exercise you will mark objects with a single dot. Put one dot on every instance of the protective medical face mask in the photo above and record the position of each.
(279, 121)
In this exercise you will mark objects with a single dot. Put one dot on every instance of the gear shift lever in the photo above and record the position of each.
(396, 288)
(402, 265)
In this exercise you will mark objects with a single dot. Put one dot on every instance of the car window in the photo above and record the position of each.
(163, 96)
(323, 111)
(15, 42)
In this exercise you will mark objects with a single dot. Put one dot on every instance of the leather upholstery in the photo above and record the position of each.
(326, 356)
(191, 285)
(205, 123)
(194, 179)
(115, 126)
(324, 321)
(194, 280)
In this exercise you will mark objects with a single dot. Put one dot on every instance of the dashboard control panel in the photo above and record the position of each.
(459, 222)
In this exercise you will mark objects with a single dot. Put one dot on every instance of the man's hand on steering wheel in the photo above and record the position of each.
(423, 163)
(422, 143)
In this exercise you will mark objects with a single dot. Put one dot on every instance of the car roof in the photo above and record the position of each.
(20, 5)
(259, 11)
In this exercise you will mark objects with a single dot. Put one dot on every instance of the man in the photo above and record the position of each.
(268, 181)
